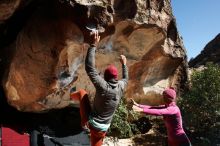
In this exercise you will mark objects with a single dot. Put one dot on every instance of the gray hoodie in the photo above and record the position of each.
(108, 94)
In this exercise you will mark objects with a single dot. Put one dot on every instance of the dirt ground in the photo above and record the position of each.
(151, 138)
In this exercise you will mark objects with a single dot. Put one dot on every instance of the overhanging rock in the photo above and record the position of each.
(48, 57)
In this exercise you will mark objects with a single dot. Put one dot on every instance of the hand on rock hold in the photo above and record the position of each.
(123, 60)
(94, 38)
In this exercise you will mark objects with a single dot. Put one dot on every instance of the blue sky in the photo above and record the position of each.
(198, 22)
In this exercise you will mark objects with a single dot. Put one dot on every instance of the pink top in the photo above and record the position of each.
(172, 118)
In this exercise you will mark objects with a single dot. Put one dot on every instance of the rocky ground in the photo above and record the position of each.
(151, 138)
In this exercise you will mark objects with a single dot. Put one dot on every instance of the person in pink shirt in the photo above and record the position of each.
(171, 115)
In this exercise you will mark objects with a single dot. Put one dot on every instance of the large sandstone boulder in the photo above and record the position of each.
(48, 57)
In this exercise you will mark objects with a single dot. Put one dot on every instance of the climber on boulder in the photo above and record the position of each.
(109, 91)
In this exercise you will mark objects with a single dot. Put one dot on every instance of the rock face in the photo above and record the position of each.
(45, 58)
(211, 53)
(7, 8)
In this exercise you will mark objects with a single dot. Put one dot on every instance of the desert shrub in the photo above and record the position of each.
(122, 125)
(201, 105)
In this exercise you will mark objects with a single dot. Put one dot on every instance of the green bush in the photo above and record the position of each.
(200, 105)
(121, 126)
